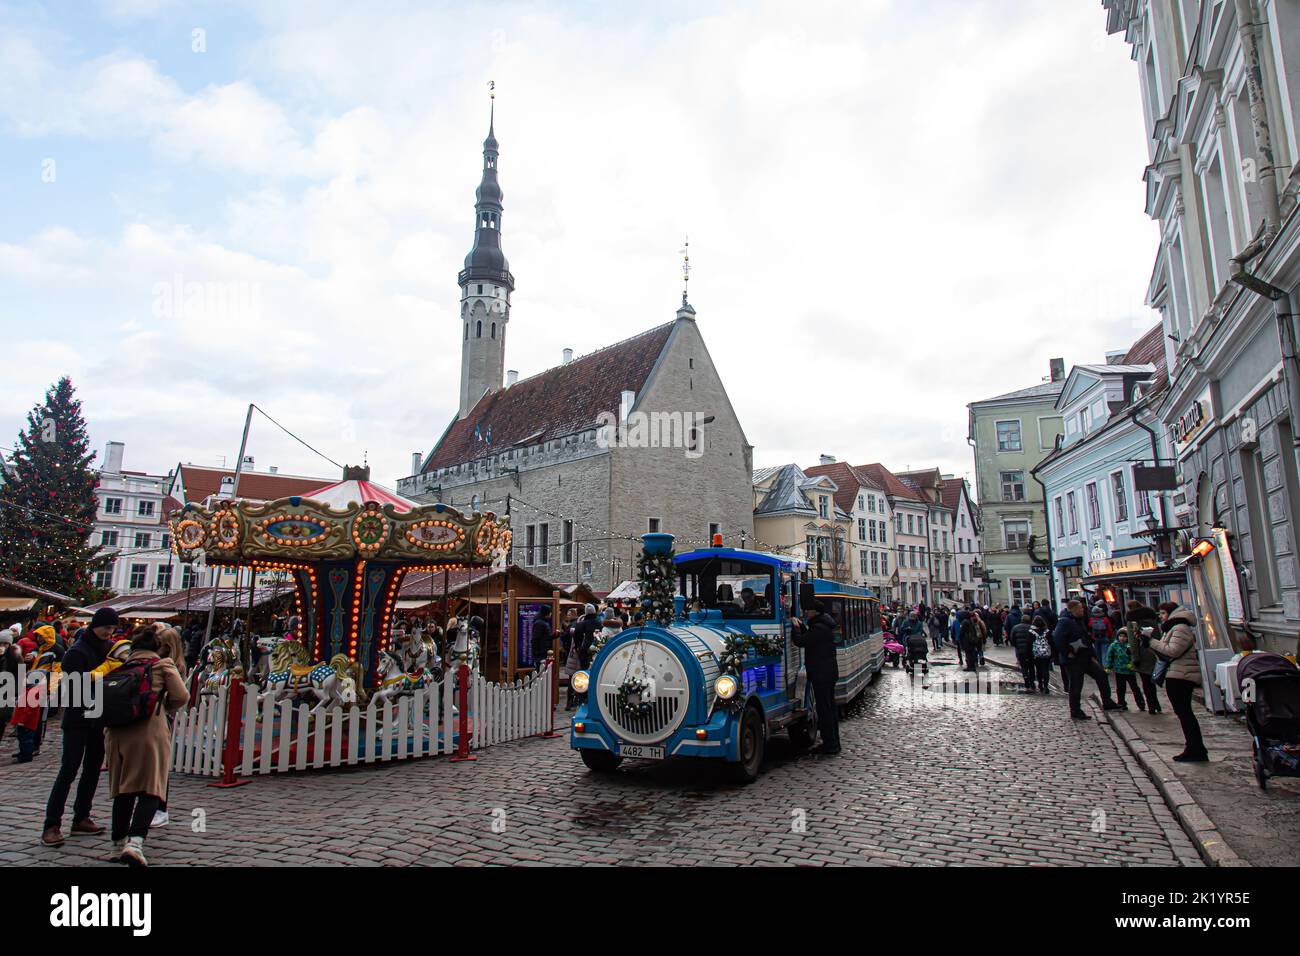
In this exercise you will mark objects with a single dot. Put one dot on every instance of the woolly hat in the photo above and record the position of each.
(104, 617)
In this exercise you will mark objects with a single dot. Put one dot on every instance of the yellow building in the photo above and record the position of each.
(796, 514)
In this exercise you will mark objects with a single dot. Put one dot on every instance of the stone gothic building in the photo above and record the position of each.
(590, 454)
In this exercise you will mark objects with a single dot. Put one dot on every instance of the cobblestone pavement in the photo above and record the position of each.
(926, 777)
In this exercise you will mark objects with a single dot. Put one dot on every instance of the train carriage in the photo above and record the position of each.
(725, 675)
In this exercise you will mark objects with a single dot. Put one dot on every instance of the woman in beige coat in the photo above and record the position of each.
(1178, 645)
(139, 754)
(172, 648)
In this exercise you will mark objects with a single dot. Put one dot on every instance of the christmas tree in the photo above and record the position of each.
(658, 586)
(47, 503)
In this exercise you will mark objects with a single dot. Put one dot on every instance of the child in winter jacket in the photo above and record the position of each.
(1120, 663)
(26, 720)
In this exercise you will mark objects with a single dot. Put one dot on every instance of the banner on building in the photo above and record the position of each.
(1155, 478)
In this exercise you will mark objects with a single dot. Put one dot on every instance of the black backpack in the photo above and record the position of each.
(128, 693)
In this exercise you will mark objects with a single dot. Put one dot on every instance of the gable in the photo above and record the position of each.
(1077, 385)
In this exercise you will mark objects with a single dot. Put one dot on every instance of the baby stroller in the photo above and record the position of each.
(894, 651)
(918, 652)
(1270, 689)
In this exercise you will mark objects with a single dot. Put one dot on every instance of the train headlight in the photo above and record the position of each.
(580, 682)
(726, 687)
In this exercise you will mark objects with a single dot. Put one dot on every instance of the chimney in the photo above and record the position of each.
(274, 469)
(828, 459)
(568, 356)
(1058, 369)
(113, 458)
(415, 462)
(248, 463)
(227, 487)
(626, 401)
(512, 376)
(1115, 358)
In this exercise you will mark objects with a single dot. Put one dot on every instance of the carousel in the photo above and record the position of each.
(346, 549)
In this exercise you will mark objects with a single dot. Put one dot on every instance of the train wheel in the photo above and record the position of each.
(747, 769)
(601, 761)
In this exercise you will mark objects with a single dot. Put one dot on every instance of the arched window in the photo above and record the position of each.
(478, 332)
(466, 331)
(494, 330)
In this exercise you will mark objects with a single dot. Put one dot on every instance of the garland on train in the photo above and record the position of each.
(657, 578)
(738, 648)
(632, 697)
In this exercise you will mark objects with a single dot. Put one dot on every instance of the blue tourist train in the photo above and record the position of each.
(726, 674)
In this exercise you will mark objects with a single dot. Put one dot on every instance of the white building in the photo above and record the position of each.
(867, 505)
(131, 526)
(966, 538)
(1220, 85)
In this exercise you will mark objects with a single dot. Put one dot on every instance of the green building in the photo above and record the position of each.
(1011, 434)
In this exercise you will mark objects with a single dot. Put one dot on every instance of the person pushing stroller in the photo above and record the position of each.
(918, 652)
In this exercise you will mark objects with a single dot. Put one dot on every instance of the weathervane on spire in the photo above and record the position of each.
(686, 268)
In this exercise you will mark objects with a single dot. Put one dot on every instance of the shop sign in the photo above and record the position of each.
(1232, 603)
(1192, 422)
(1146, 561)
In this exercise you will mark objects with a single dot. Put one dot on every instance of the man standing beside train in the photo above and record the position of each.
(817, 638)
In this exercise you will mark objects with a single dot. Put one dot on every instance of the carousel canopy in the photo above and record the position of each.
(358, 491)
(352, 519)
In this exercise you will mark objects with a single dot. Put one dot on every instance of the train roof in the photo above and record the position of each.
(783, 561)
(837, 588)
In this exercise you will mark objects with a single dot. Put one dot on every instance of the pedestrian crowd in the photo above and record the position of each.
(117, 692)
(1141, 648)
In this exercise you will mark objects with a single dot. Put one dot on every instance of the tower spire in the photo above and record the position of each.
(485, 283)
(686, 311)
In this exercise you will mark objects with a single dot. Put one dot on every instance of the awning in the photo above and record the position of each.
(150, 615)
(1151, 576)
(1069, 562)
(17, 604)
(408, 604)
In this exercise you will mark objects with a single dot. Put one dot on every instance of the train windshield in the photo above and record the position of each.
(739, 589)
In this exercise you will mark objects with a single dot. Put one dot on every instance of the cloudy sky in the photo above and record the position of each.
(895, 207)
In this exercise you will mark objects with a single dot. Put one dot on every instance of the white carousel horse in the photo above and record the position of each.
(331, 683)
(396, 681)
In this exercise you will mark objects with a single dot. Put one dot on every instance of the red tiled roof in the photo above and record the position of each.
(199, 483)
(950, 488)
(1150, 350)
(847, 478)
(560, 401)
(890, 482)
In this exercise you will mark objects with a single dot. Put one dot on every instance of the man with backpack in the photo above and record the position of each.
(83, 737)
(1073, 642)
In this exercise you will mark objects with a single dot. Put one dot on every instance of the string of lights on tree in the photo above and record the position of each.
(48, 503)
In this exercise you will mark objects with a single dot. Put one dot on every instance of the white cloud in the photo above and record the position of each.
(893, 211)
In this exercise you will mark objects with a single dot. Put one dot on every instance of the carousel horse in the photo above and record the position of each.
(396, 681)
(220, 667)
(288, 652)
(332, 683)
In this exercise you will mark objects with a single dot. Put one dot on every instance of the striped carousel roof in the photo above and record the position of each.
(358, 491)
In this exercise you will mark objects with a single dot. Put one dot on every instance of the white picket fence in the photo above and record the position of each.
(198, 735)
(279, 736)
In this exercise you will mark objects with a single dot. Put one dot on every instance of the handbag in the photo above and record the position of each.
(1161, 670)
